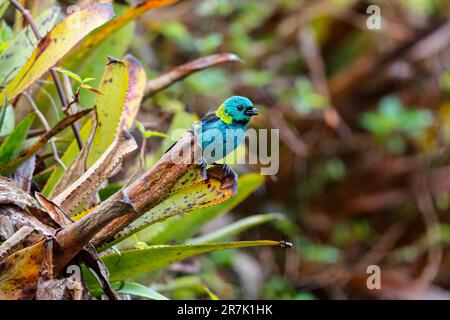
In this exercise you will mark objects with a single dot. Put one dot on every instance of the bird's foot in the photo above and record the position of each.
(231, 177)
(203, 168)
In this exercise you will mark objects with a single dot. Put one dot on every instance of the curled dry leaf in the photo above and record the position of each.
(6, 228)
(23, 176)
(181, 72)
(19, 215)
(56, 214)
(19, 240)
(83, 187)
(10, 193)
(93, 261)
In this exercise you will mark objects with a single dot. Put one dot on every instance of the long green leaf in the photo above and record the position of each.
(132, 289)
(14, 143)
(236, 227)
(131, 263)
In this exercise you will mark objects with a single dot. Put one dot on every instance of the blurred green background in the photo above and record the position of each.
(364, 126)
(364, 120)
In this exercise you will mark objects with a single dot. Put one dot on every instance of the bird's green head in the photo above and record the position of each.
(236, 109)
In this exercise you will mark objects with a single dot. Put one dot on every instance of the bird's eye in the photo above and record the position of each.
(240, 108)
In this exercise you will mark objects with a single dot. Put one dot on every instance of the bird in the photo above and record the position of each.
(222, 131)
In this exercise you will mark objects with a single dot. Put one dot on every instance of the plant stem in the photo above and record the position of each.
(47, 128)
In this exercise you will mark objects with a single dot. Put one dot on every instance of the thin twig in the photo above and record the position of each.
(64, 103)
(72, 105)
(47, 128)
(26, 14)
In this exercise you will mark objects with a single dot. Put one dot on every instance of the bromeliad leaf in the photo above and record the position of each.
(83, 187)
(91, 62)
(131, 263)
(6, 120)
(124, 80)
(3, 6)
(57, 43)
(188, 225)
(130, 15)
(236, 227)
(21, 47)
(132, 289)
(191, 192)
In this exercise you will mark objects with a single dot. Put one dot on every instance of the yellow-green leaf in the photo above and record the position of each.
(19, 273)
(3, 6)
(185, 226)
(91, 63)
(133, 289)
(57, 43)
(122, 88)
(191, 192)
(21, 47)
(117, 24)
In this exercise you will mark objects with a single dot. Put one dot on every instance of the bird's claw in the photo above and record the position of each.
(231, 177)
(203, 168)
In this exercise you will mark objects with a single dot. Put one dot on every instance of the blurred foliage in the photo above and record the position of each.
(355, 197)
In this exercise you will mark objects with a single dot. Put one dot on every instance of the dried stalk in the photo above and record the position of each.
(47, 129)
(181, 72)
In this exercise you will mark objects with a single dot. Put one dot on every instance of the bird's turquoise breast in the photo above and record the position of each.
(219, 139)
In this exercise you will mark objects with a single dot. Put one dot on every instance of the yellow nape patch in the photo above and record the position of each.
(223, 115)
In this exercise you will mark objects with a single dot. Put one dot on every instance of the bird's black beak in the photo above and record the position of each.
(251, 111)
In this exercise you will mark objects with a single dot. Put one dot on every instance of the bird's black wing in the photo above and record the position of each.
(209, 117)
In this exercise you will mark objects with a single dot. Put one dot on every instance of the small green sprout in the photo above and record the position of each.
(82, 82)
(148, 133)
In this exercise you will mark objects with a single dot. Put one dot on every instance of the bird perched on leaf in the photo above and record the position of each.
(222, 131)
